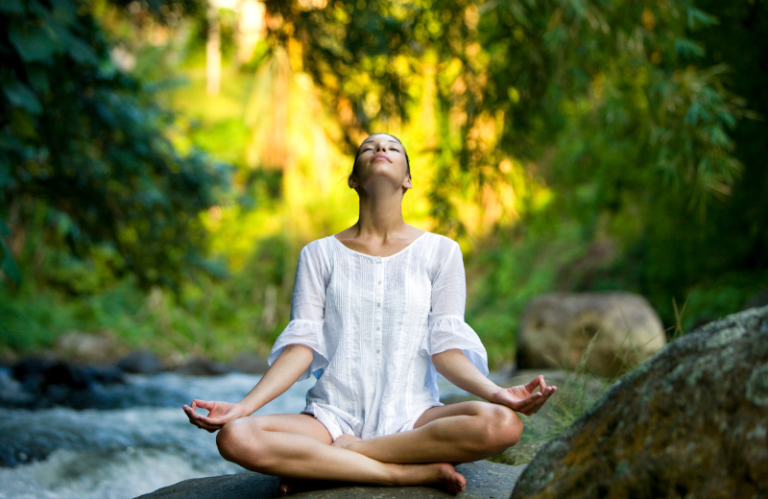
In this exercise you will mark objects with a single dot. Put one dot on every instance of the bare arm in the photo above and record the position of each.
(283, 373)
(460, 371)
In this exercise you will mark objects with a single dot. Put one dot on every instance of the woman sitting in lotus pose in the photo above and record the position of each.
(377, 311)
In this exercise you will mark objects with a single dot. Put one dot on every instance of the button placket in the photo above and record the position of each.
(379, 278)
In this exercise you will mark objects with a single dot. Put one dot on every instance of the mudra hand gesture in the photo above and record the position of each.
(522, 398)
(219, 414)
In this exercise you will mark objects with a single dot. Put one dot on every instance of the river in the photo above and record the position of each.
(123, 453)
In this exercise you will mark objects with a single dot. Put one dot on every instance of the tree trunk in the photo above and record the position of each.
(213, 51)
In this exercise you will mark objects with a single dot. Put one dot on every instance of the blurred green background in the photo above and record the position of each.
(163, 162)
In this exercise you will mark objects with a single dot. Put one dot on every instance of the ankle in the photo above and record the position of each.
(398, 475)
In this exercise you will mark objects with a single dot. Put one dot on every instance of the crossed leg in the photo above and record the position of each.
(298, 446)
(457, 433)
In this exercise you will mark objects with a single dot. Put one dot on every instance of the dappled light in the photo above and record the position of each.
(192, 148)
(601, 165)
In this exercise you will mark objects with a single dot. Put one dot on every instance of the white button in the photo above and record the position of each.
(378, 329)
(379, 282)
(378, 351)
(378, 304)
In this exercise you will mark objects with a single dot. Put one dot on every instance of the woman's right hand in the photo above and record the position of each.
(219, 414)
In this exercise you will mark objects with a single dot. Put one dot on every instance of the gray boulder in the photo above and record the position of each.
(140, 362)
(249, 363)
(485, 480)
(556, 330)
(690, 422)
(86, 348)
(200, 366)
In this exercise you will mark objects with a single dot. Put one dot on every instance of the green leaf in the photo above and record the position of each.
(21, 95)
(64, 11)
(702, 17)
(38, 77)
(33, 44)
(4, 230)
(12, 7)
(81, 52)
(8, 265)
(688, 48)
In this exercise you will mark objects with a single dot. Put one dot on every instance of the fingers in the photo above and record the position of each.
(527, 405)
(537, 381)
(532, 404)
(204, 404)
(199, 420)
(538, 402)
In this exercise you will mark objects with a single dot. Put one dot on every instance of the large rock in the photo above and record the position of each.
(485, 480)
(556, 330)
(249, 363)
(200, 366)
(690, 422)
(140, 362)
(44, 383)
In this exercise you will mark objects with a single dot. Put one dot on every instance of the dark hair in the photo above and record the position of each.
(407, 161)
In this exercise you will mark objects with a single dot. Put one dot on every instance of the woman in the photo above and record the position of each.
(377, 310)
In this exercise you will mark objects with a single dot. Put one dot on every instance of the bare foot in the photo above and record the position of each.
(452, 479)
(437, 473)
(345, 441)
(286, 486)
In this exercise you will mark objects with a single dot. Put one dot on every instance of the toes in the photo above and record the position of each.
(285, 487)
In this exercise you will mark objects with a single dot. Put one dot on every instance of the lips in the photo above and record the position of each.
(381, 157)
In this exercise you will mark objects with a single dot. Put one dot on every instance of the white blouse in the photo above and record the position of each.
(373, 324)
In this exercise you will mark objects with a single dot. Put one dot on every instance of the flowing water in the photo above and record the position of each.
(123, 453)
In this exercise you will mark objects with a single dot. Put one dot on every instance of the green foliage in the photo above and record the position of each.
(84, 143)
(206, 317)
(619, 137)
(621, 70)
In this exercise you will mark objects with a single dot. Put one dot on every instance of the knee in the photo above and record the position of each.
(227, 440)
(235, 441)
(502, 428)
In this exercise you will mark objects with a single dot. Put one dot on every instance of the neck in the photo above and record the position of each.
(381, 216)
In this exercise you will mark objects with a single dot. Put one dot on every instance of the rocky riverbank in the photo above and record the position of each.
(690, 422)
(68, 381)
(485, 480)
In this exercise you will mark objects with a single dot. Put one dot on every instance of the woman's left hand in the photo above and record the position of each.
(522, 399)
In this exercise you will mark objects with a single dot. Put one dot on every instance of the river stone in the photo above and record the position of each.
(556, 329)
(86, 348)
(485, 480)
(249, 363)
(140, 362)
(200, 366)
(690, 422)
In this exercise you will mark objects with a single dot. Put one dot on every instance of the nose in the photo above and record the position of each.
(381, 146)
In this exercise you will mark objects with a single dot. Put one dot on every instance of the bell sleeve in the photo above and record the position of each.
(307, 311)
(447, 328)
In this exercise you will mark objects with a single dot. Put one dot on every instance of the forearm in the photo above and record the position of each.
(460, 371)
(283, 373)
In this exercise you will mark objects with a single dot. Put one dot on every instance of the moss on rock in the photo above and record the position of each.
(690, 422)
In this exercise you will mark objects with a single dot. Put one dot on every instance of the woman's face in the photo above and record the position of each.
(380, 157)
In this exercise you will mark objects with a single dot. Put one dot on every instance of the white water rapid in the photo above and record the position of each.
(123, 453)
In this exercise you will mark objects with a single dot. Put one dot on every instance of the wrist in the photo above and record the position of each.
(246, 408)
(489, 391)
